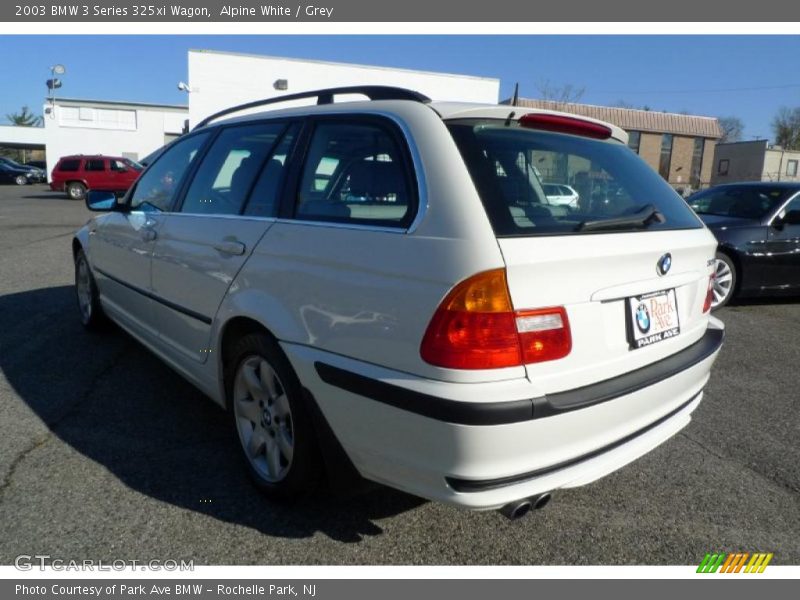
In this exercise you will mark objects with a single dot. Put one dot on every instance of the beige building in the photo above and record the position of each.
(679, 147)
(754, 161)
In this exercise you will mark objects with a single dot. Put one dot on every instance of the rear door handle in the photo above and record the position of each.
(235, 248)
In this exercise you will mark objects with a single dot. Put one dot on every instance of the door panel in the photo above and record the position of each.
(201, 248)
(120, 248)
(122, 243)
(196, 259)
(782, 266)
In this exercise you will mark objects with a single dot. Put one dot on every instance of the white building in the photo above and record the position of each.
(218, 80)
(128, 129)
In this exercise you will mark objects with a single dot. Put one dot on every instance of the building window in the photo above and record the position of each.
(722, 167)
(791, 168)
(697, 162)
(634, 139)
(666, 155)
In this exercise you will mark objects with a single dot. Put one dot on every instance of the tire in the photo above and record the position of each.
(76, 191)
(21, 180)
(269, 419)
(89, 308)
(724, 281)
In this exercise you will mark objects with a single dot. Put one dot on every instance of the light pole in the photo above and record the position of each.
(52, 84)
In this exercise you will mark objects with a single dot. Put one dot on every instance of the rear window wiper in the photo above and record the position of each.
(641, 218)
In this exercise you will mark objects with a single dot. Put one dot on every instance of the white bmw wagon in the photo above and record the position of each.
(380, 287)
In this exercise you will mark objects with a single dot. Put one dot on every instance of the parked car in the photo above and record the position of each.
(36, 175)
(757, 225)
(37, 164)
(77, 174)
(561, 194)
(10, 174)
(379, 288)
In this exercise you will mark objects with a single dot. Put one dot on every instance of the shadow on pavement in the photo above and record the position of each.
(46, 195)
(114, 402)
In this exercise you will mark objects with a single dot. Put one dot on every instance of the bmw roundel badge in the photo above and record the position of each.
(643, 318)
(664, 263)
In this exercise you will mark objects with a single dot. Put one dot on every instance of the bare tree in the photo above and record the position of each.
(560, 93)
(786, 127)
(732, 128)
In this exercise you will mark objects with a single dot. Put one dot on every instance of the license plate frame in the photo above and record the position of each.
(652, 318)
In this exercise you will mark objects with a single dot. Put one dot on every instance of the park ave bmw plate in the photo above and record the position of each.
(652, 318)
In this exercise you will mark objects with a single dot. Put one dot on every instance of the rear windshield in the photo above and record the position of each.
(515, 170)
(741, 201)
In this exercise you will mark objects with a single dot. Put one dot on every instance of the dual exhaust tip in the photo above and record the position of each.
(519, 508)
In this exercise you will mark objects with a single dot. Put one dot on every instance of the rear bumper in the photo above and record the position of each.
(448, 442)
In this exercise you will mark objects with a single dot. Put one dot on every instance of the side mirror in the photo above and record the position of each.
(98, 201)
(791, 218)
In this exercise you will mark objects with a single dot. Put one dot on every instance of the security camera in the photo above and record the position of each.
(183, 87)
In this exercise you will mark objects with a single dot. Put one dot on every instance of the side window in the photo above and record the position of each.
(264, 198)
(156, 188)
(355, 173)
(70, 165)
(117, 165)
(227, 172)
(94, 164)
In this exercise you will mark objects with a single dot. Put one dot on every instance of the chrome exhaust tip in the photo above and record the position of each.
(540, 501)
(519, 508)
(516, 510)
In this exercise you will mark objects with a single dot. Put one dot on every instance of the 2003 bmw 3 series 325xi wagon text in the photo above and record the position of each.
(381, 287)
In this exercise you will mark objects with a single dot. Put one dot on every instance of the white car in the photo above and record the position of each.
(561, 194)
(379, 287)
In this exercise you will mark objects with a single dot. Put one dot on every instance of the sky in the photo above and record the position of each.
(749, 77)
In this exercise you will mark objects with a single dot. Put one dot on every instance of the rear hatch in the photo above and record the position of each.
(629, 261)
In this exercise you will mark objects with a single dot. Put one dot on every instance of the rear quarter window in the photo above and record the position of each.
(357, 172)
(70, 165)
(509, 165)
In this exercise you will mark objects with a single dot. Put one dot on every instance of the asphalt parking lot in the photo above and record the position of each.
(107, 454)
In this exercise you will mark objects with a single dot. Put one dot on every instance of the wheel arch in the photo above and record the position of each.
(343, 478)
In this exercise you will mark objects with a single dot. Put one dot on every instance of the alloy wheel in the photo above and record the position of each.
(83, 286)
(723, 283)
(263, 419)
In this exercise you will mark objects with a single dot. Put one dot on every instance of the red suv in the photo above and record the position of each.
(77, 174)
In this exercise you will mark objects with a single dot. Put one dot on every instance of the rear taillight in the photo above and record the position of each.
(476, 327)
(709, 294)
(565, 124)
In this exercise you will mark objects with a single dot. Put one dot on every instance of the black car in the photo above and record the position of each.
(36, 175)
(37, 164)
(757, 226)
(10, 174)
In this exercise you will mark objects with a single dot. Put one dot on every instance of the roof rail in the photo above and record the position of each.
(373, 92)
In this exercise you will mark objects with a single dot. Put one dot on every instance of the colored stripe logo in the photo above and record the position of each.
(736, 562)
